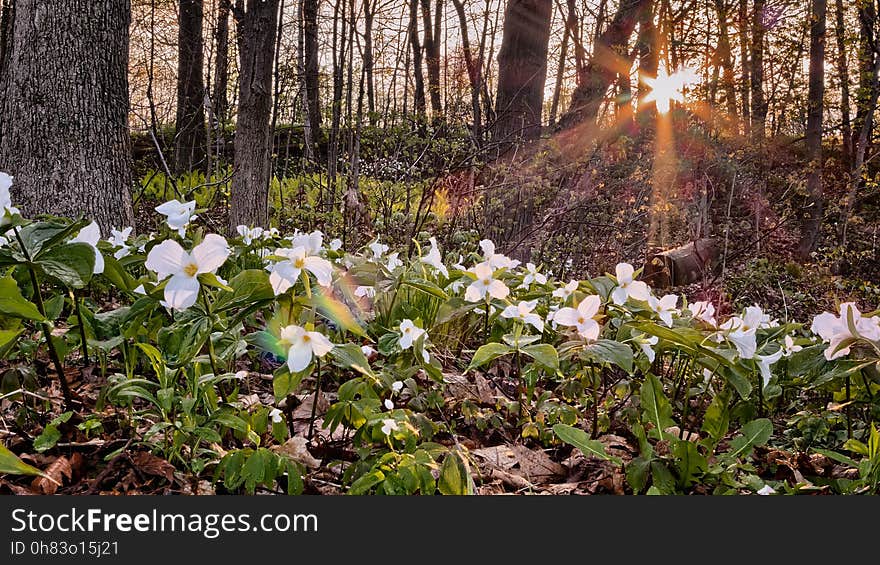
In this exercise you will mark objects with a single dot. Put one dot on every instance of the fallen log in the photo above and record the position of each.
(682, 265)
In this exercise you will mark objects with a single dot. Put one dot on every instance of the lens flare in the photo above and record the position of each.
(666, 87)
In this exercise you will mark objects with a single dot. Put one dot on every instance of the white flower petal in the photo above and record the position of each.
(181, 292)
(211, 253)
(167, 258)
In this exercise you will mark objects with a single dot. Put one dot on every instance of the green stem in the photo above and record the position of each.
(315, 399)
(47, 331)
(594, 433)
(211, 355)
(82, 328)
(848, 414)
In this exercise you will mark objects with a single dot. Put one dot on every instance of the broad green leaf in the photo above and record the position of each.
(71, 263)
(118, 275)
(285, 383)
(839, 457)
(350, 356)
(453, 309)
(12, 303)
(248, 287)
(183, 340)
(365, 482)
(691, 465)
(10, 464)
(579, 439)
(716, 421)
(637, 473)
(543, 353)
(454, 476)
(7, 338)
(755, 433)
(426, 287)
(610, 351)
(655, 405)
(662, 478)
(41, 236)
(487, 353)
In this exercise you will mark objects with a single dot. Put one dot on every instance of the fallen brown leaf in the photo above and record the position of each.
(56, 472)
(150, 464)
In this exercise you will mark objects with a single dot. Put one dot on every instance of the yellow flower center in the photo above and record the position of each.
(298, 263)
(307, 338)
(581, 320)
(191, 269)
(486, 282)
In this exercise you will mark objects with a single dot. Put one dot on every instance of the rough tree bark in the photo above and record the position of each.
(756, 72)
(369, 15)
(568, 35)
(722, 11)
(473, 70)
(221, 62)
(310, 60)
(522, 69)
(190, 137)
(648, 49)
(256, 22)
(843, 77)
(432, 53)
(65, 134)
(745, 85)
(816, 91)
(610, 55)
(415, 45)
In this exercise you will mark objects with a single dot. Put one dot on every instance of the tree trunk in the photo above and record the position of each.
(570, 25)
(256, 22)
(649, 58)
(522, 69)
(432, 54)
(368, 59)
(65, 131)
(7, 16)
(221, 63)
(816, 91)
(610, 53)
(190, 134)
(418, 77)
(843, 77)
(473, 71)
(725, 59)
(745, 84)
(759, 103)
(310, 61)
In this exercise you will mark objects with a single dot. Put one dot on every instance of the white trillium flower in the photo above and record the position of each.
(378, 249)
(664, 307)
(365, 291)
(496, 260)
(312, 242)
(335, 244)
(248, 235)
(704, 311)
(139, 289)
(393, 261)
(564, 292)
(532, 276)
(741, 331)
(646, 344)
(275, 416)
(389, 425)
(397, 386)
(409, 332)
(840, 332)
(170, 259)
(582, 317)
(120, 239)
(284, 274)
(303, 346)
(789, 347)
(434, 258)
(178, 214)
(91, 235)
(766, 490)
(485, 285)
(765, 362)
(7, 210)
(627, 287)
(389, 404)
(522, 312)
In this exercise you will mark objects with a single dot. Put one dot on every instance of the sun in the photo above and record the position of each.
(666, 87)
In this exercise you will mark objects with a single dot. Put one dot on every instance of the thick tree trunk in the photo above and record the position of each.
(190, 135)
(759, 103)
(256, 22)
(473, 71)
(843, 77)
(7, 12)
(610, 55)
(432, 53)
(415, 45)
(310, 60)
(65, 107)
(221, 63)
(522, 69)
(816, 91)
(745, 85)
(369, 14)
(725, 59)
